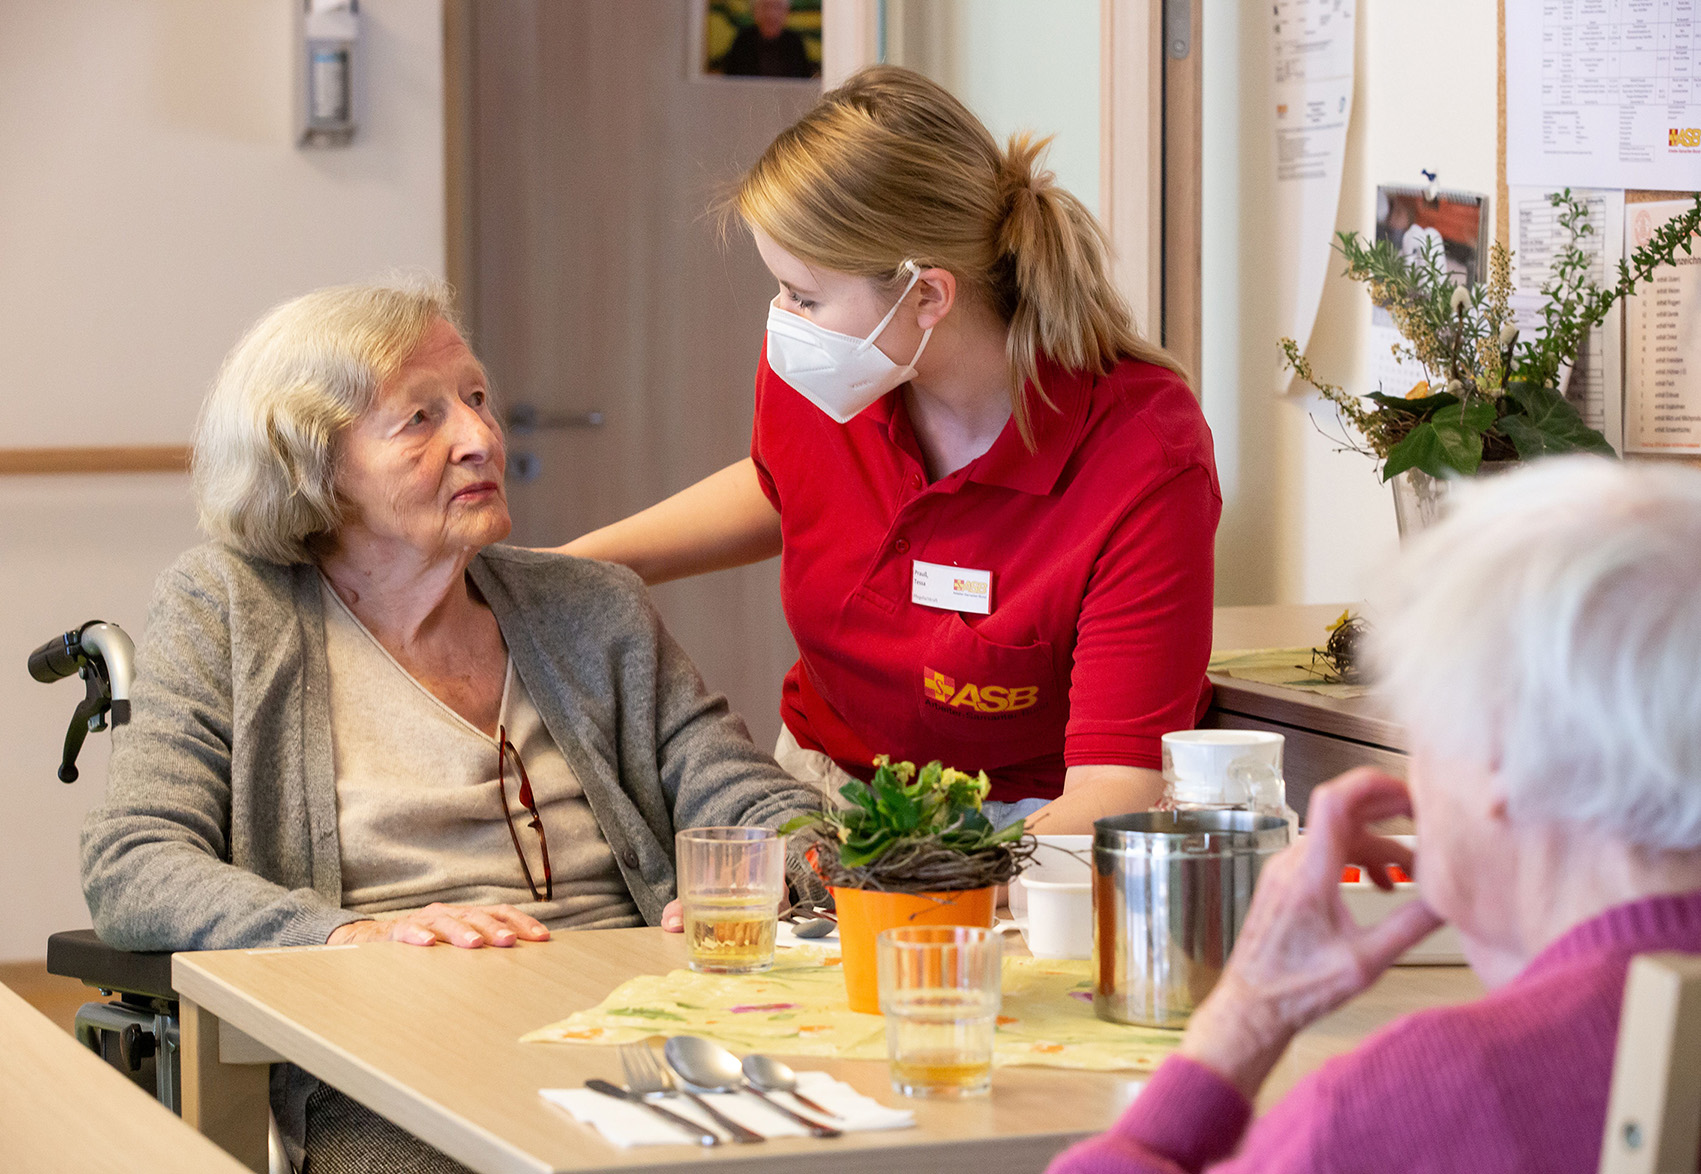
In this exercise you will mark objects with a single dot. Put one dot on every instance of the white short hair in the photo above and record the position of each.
(1550, 628)
(264, 461)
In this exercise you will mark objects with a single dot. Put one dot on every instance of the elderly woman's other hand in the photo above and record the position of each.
(468, 926)
(1300, 954)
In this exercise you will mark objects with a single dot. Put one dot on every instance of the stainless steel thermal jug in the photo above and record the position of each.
(1170, 891)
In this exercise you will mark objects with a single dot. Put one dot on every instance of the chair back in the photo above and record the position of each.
(1653, 1123)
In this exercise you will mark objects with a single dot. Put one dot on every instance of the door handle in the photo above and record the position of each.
(524, 418)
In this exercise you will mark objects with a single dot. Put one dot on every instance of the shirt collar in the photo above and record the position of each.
(1008, 463)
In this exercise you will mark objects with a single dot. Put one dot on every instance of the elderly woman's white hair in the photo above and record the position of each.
(264, 462)
(1550, 628)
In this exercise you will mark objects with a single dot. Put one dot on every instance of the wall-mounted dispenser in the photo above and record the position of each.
(328, 65)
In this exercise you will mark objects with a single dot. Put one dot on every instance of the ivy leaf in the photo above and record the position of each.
(1460, 430)
(1414, 407)
(1448, 442)
(1549, 425)
(1419, 449)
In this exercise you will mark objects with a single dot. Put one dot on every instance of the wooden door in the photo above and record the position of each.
(599, 292)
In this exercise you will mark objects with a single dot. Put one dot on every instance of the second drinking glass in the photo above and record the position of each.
(940, 990)
(731, 881)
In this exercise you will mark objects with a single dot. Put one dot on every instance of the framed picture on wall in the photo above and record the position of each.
(767, 40)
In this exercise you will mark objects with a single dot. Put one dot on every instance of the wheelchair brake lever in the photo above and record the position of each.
(90, 714)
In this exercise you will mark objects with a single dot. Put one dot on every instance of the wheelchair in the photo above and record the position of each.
(137, 1031)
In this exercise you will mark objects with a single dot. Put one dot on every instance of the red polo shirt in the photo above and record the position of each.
(1100, 548)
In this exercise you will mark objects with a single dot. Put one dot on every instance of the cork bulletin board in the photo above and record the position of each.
(1503, 200)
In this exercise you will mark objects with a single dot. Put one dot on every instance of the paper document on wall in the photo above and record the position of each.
(1594, 382)
(1312, 95)
(1604, 93)
(1662, 343)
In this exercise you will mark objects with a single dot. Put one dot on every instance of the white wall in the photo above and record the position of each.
(1019, 65)
(1302, 522)
(152, 203)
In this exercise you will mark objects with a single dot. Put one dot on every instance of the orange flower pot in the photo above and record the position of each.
(863, 914)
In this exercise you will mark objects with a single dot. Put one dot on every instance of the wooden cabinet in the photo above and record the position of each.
(1325, 736)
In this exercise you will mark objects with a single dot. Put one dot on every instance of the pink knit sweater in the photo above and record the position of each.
(1514, 1081)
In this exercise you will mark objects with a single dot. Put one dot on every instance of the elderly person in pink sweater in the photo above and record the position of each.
(1544, 652)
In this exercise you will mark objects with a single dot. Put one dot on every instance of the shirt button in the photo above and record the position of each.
(902, 546)
(915, 480)
(629, 858)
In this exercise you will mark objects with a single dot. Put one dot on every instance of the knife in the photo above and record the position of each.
(703, 1136)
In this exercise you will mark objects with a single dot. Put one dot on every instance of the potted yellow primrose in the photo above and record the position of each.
(911, 847)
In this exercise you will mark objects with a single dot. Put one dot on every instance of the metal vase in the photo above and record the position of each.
(1420, 500)
(1170, 891)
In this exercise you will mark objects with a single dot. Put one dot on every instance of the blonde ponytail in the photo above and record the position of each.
(890, 168)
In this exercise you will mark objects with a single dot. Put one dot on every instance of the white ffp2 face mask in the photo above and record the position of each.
(839, 373)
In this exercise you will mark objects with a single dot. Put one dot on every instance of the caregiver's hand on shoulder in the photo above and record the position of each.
(468, 926)
(1300, 954)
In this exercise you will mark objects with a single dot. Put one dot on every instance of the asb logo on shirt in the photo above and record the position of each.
(944, 692)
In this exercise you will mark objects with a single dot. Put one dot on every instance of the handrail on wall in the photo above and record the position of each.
(139, 458)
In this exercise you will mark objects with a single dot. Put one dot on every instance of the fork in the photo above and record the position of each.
(646, 1076)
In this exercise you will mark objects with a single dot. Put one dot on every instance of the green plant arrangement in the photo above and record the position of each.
(1491, 394)
(913, 831)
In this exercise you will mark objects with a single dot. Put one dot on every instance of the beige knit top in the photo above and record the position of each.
(419, 811)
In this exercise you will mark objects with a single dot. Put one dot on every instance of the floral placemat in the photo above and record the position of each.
(1291, 668)
(798, 1009)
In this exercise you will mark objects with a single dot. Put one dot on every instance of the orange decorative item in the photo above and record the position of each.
(864, 913)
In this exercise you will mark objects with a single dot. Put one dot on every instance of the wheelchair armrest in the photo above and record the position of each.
(79, 954)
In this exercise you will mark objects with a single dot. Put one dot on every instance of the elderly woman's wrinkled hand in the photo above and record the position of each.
(1300, 954)
(468, 926)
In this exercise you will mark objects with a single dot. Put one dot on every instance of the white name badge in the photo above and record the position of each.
(951, 588)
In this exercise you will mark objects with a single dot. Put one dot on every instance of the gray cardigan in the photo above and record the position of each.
(219, 827)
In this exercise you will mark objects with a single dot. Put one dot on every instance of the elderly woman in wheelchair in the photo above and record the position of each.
(356, 717)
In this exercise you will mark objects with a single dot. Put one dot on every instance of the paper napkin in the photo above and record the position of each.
(624, 1124)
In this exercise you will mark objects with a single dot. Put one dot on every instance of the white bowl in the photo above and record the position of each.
(1060, 918)
(1062, 858)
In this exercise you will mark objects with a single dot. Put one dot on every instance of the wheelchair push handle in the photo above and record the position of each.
(104, 656)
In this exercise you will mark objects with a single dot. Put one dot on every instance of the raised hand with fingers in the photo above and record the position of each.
(467, 926)
(1300, 954)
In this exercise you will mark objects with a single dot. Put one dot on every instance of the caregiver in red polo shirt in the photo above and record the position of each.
(994, 502)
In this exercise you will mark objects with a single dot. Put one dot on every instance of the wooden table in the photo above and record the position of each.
(1325, 736)
(429, 1038)
(63, 1108)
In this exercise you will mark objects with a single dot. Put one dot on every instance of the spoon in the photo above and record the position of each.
(770, 1075)
(706, 1065)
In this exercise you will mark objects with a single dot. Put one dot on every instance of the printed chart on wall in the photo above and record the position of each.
(1594, 382)
(1604, 93)
(1662, 368)
(1312, 43)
